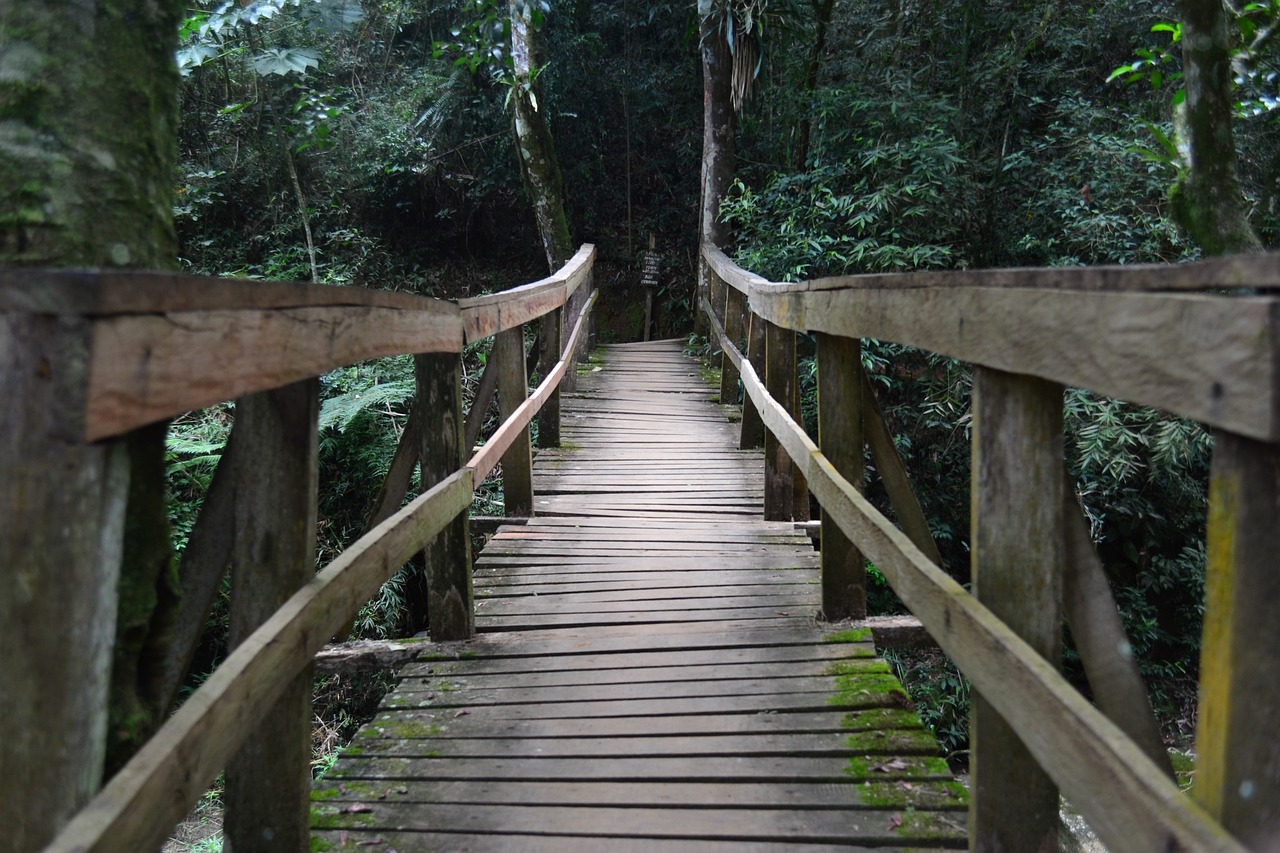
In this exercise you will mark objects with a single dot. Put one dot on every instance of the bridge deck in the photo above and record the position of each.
(649, 674)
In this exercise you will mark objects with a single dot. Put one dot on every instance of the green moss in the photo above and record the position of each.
(876, 769)
(893, 742)
(401, 730)
(872, 688)
(859, 666)
(1184, 768)
(879, 718)
(319, 845)
(327, 816)
(855, 635)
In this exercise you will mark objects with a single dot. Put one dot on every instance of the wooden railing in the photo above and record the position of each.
(88, 357)
(1184, 338)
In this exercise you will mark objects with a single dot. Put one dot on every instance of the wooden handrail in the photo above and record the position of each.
(1130, 332)
(152, 345)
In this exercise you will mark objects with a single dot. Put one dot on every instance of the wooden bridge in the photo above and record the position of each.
(640, 664)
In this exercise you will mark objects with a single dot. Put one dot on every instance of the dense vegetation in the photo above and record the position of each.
(370, 143)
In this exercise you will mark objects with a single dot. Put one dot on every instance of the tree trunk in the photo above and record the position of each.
(718, 123)
(1208, 200)
(539, 168)
(822, 10)
(87, 152)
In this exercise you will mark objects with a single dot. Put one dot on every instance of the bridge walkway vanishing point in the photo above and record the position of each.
(649, 672)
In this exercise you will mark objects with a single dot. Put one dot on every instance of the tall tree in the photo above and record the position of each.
(1208, 200)
(539, 168)
(87, 148)
(718, 119)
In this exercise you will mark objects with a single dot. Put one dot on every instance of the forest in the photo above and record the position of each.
(456, 148)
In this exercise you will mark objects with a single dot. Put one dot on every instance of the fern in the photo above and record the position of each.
(341, 410)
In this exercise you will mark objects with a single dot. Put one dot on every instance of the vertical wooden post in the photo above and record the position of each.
(450, 600)
(513, 389)
(752, 426)
(1017, 557)
(272, 557)
(715, 299)
(550, 336)
(62, 506)
(733, 306)
(780, 382)
(840, 436)
(1238, 758)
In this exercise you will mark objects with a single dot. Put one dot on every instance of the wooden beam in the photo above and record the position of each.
(1099, 635)
(156, 789)
(62, 507)
(780, 380)
(479, 410)
(144, 368)
(549, 342)
(1237, 760)
(840, 435)
(513, 390)
(1138, 809)
(1210, 358)
(735, 304)
(276, 478)
(400, 473)
(1017, 546)
(752, 429)
(893, 474)
(488, 315)
(450, 596)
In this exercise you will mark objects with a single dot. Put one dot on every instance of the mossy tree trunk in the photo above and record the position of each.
(1208, 200)
(88, 97)
(718, 124)
(539, 168)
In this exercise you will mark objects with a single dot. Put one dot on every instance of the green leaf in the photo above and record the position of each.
(284, 61)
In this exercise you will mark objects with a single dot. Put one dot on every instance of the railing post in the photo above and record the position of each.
(62, 506)
(733, 307)
(550, 335)
(840, 436)
(513, 389)
(1017, 558)
(784, 486)
(1237, 757)
(272, 556)
(450, 599)
(752, 427)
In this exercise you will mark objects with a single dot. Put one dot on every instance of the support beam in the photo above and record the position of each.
(450, 599)
(781, 479)
(549, 340)
(840, 436)
(62, 509)
(272, 557)
(1238, 758)
(734, 305)
(513, 389)
(752, 426)
(1018, 552)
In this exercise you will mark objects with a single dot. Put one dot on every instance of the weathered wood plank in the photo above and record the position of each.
(1206, 357)
(513, 389)
(484, 316)
(147, 367)
(276, 483)
(840, 435)
(1017, 547)
(442, 451)
(62, 507)
(1238, 763)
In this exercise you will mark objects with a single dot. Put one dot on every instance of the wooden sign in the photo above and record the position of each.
(649, 270)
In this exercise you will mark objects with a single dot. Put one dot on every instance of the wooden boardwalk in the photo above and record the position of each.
(649, 674)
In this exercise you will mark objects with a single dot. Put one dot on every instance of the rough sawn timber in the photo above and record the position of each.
(649, 672)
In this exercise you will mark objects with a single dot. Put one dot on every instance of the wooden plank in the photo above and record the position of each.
(479, 410)
(549, 340)
(1109, 662)
(893, 473)
(400, 473)
(735, 305)
(62, 506)
(1205, 357)
(147, 367)
(272, 557)
(1017, 546)
(157, 788)
(781, 381)
(513, 389)
(840, 435)
(1238, 767)
(1139, 809)
(484, 316)
(800, 663)
(450, 596)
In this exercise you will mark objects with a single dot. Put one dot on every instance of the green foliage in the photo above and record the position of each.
(941, 695)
